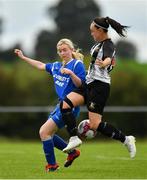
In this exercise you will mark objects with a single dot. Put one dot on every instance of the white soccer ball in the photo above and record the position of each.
(84, 130)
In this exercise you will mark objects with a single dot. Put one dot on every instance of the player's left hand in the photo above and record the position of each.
(99, 62)
(66, 71)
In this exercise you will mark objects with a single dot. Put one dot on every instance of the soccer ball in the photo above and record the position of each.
(84, 130)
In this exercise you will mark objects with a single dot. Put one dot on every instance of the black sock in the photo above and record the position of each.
(69, 121)
(110, 131)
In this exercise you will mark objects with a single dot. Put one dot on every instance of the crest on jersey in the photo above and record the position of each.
(92, 105)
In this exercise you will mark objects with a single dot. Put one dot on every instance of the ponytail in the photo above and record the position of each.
(104, 22)
(77, 55)
(120, 29)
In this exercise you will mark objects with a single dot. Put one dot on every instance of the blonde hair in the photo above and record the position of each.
(76, 52)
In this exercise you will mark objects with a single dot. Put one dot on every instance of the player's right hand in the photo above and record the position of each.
(18, 52)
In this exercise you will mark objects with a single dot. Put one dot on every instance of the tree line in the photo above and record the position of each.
(72, 19)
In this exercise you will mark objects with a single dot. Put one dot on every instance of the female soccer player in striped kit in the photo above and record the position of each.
(96, 90)
(68, 75)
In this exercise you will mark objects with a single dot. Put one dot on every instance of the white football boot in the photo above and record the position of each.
(130, 144)
(74, 142)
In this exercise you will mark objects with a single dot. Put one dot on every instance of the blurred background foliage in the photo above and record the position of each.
(22, 85)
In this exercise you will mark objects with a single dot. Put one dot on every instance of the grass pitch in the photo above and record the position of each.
(98, 160)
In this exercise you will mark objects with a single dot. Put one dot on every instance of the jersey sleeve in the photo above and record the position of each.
(108, 49)
(48, 67)
(79, 70)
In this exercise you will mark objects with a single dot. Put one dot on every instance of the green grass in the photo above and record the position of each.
(98, 160)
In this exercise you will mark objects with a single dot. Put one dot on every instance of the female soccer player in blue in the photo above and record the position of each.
(67, 75)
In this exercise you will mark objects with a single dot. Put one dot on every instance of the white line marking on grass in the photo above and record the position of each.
(107, 157)
(12, 152)
(119, 158)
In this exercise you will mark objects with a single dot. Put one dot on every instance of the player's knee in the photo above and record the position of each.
(44, 134)
(66, 105)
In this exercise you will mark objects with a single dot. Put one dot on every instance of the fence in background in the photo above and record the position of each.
(34, 109)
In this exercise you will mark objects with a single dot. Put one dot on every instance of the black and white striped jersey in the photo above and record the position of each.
(101, 51)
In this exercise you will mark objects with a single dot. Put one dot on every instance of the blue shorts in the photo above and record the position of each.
(56, 115)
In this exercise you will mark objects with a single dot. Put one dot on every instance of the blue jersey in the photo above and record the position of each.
(63, 82)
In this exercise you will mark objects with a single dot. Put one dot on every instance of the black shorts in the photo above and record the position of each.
(82, 90)
(97, 95)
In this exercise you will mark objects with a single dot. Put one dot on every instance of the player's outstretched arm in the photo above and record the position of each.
(39, 65)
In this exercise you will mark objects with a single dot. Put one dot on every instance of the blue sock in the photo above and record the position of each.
(48, 147)
(59, 143)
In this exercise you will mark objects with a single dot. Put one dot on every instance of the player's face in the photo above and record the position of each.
(65, 52)
(95, 33)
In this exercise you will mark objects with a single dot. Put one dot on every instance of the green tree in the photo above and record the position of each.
(72, 18)
(126, 49)
(45, 47)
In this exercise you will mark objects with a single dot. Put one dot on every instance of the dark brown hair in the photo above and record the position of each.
(104, 22)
